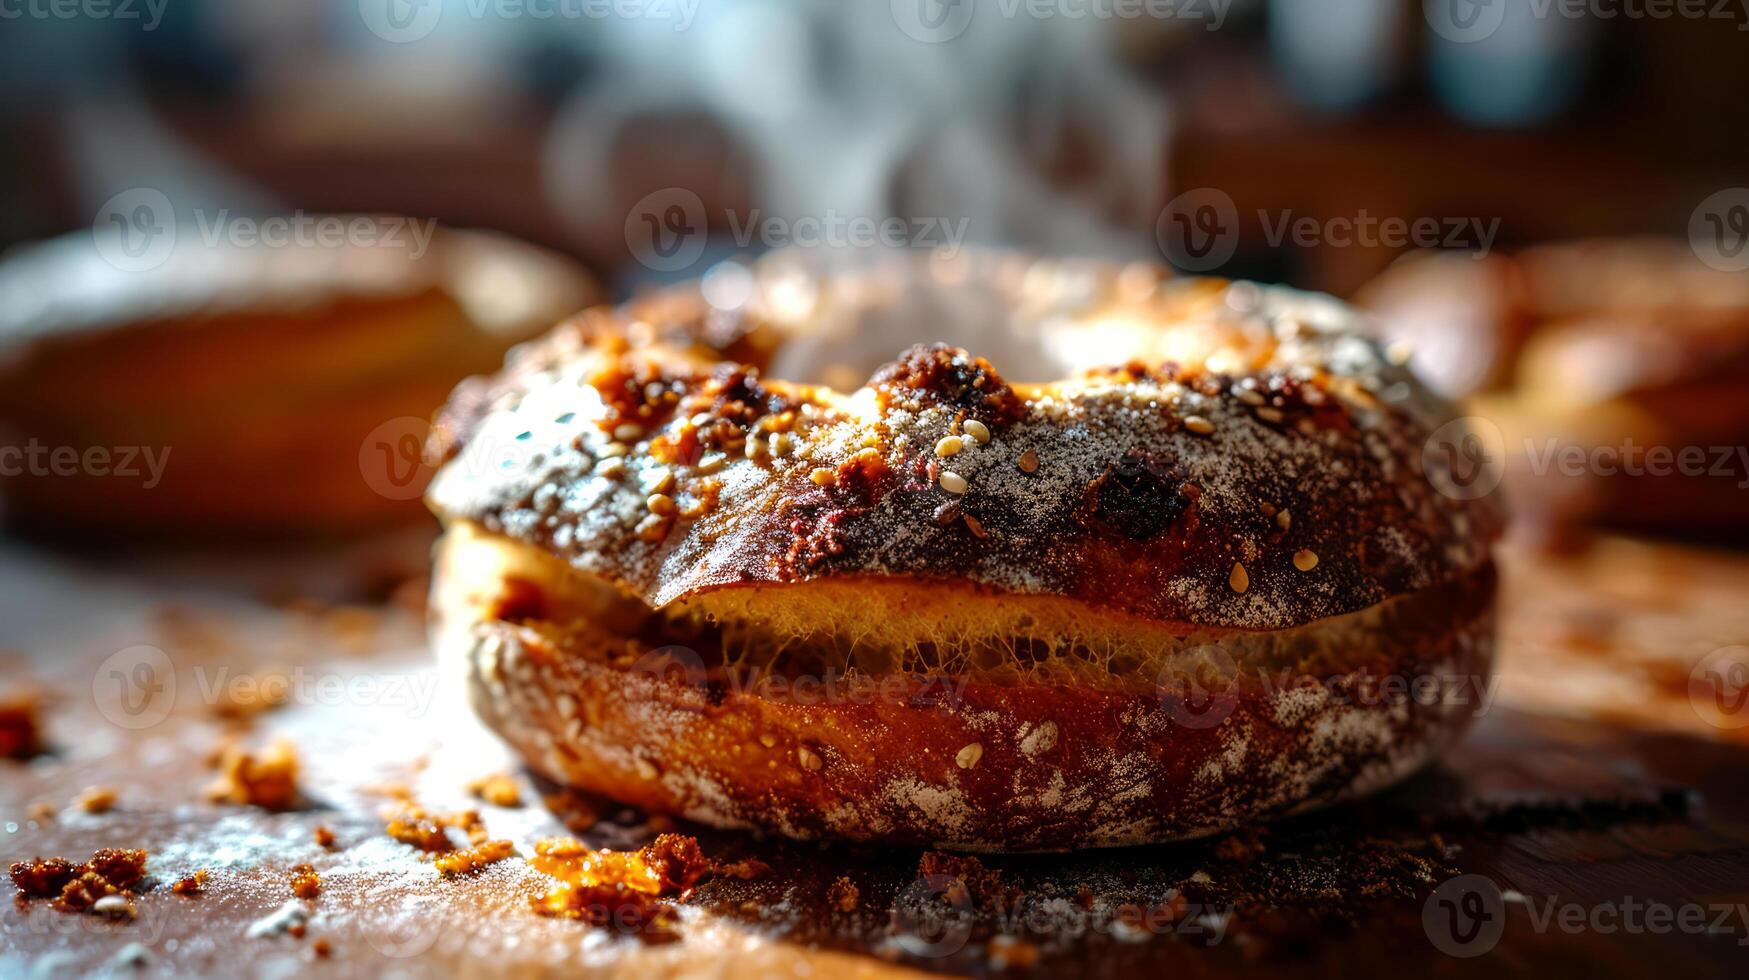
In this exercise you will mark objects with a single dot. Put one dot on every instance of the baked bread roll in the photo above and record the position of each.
(1602, 363)
(1102, 605)
(232, 390)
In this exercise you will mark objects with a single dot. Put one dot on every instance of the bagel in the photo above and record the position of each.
(1613, 369)
(1143, 601)
(246, 391)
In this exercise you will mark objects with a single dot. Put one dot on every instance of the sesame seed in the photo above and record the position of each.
(1400, 352)
(652, 528)
(611, 468)
(646, 769)
(1284, 519)
(755, 447)
(768, 740)
(782, 443)
(661, 480)
(1305, 560)
(711, 462)
(977, 430)
(952, 482)
(700, 420)
(628, 432)
(616, 449)
(660, 503)
(1270, 415)
(1250, 397)
(1239, 580)
(1198, 425)
(1028, 462)
(975, 526)
(969, 756)
(823, 476)
(809, 759)
(949, 446)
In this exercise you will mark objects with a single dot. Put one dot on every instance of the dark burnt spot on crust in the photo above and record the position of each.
(820, 519)
(1138, 497)
(936, 374)
(736, 396)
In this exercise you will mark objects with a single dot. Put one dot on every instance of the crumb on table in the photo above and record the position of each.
(498, 789)
(474, 858)
(268, 779)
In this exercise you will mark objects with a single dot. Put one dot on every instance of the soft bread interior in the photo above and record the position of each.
(877, 626)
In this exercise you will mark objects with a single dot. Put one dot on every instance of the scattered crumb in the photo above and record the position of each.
(474, 858)
(40, 812)
(324, 837)
(322, 948)
(843, 895)
(20, 731)
(305, 883)
(413, 824)
(267, 780)
(619, 888)
(984, 886)
(96, 799)
(498, 789)
(190, 886)
(77, 888)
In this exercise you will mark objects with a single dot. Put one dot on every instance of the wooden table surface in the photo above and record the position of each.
(1599, 798)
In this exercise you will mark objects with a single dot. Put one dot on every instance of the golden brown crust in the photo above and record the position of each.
(1155, 487)
(962, 762)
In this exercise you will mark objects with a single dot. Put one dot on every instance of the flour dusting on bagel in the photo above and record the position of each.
(959, 552)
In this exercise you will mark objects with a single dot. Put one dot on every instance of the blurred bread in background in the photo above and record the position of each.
(247, 391)
(1616, 371)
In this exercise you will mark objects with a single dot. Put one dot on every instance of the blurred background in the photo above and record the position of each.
(1065, 126)
(1537, 197)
